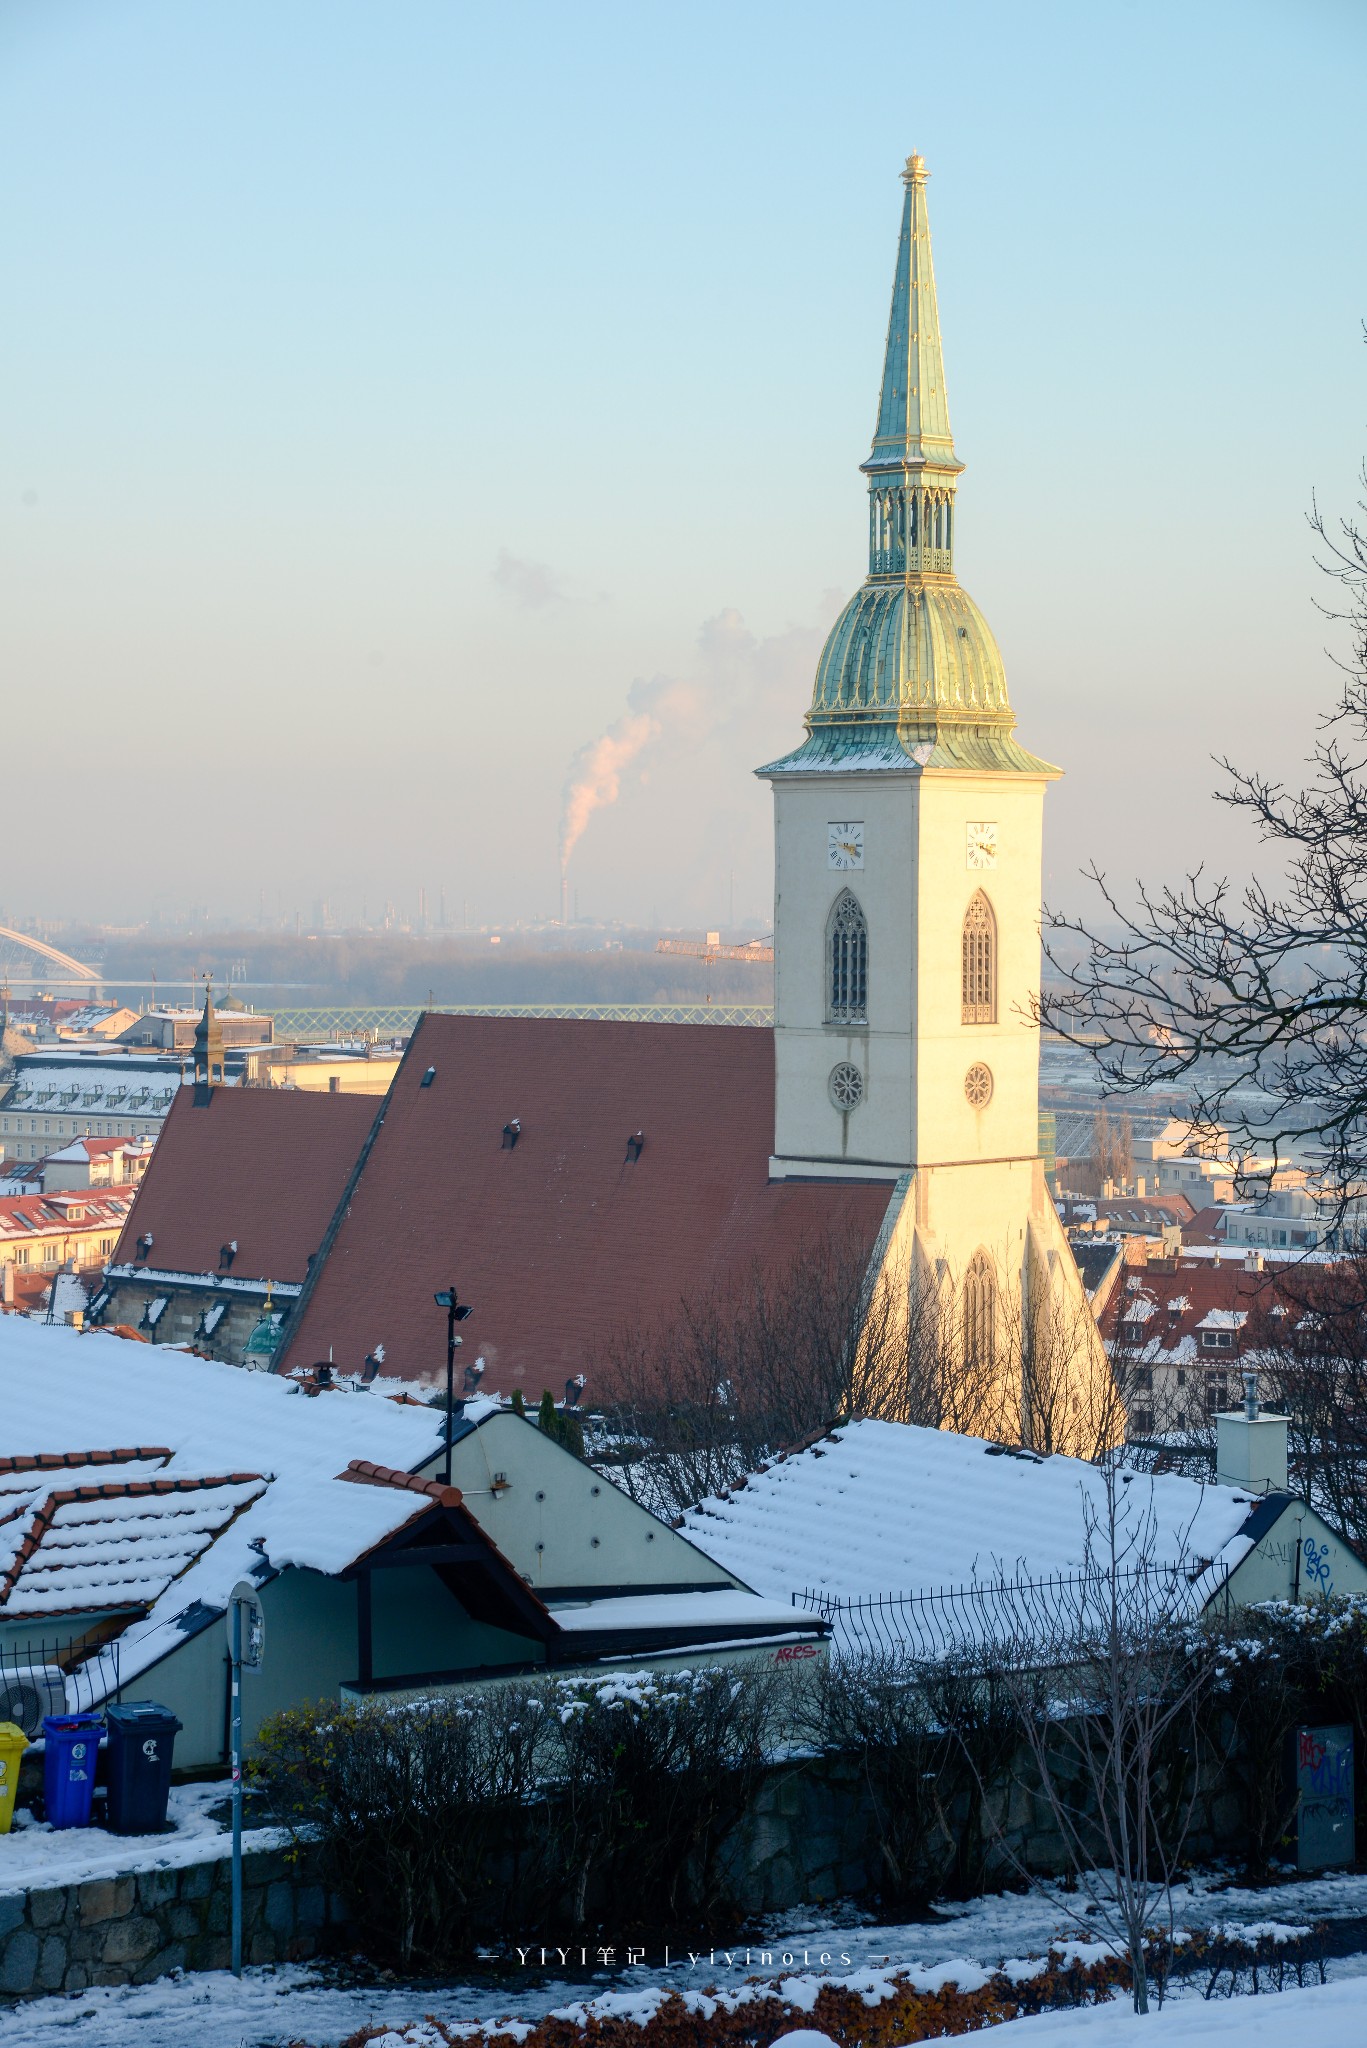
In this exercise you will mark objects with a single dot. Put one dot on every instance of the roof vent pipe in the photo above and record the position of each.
(1251, 1445)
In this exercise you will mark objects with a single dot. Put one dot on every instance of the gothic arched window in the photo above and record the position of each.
(980, 1311)
(847, 962)
(979, 963)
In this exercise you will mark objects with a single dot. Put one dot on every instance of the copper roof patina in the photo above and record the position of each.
(910, 677)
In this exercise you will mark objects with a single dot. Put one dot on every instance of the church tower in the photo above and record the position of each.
(208, 1053)
(908, 848)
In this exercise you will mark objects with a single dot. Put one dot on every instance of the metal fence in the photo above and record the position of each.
(40, 1677)
(1015, 1620)
(325, 1022)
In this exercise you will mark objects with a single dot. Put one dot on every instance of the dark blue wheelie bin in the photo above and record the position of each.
(71, 1744)
(142, 1739)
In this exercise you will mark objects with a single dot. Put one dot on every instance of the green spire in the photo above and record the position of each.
(913, 409)
(910, 672)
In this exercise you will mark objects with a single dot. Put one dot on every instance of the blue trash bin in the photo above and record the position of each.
(142, 1737)
(71, 1745)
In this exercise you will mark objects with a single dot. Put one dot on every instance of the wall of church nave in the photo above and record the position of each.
(979, 1299)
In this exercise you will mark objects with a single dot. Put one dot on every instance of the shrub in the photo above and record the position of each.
(656, 1768)
(513, 1808)
(423, 1812)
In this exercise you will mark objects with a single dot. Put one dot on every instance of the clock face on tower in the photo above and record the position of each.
(845, 845)
(982, 844)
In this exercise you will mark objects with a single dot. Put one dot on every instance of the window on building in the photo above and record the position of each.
(980, 1311)
(847, 955)
(979, 963)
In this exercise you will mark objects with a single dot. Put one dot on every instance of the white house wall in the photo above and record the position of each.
(558, 1522)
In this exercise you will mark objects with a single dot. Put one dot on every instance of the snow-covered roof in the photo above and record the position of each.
(113, 1087)
(726, 1606)
(1223, 1319)
(883, 1507)
(1138, 1309)
(83, 1548)
(272, 1452)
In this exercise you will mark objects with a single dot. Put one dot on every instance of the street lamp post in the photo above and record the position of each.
(456, 1312)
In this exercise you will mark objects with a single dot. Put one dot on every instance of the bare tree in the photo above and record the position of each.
(1108, 1712)
(776, 1355)
(1311, 1361)
(1112, 1148)
(1254, 1001)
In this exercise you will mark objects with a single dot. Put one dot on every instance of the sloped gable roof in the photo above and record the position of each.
(559, 1239)
(113, 1544)
(263, 1166)
(885, 1507)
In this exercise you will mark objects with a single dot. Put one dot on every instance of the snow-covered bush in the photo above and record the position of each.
(424, 1813)
(1274, 1666)
(528, 1809)
(924, 1736)
(654, 1769)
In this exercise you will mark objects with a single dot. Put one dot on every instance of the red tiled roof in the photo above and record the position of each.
(363, 1473)
(115, 1545)
(263, 1165)
(1186, 1291)
(1206, 1227)
(559, 1241)
(33, 1216)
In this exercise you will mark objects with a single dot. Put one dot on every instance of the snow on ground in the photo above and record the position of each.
(300, 2003)
(1330, 2015)
(34, 1855)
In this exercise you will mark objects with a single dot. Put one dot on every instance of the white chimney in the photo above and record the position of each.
(1250, 1445)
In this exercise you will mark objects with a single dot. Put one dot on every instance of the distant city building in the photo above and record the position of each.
(174, 1030)
(327, 1069)
(96, 1163)
(61, 1094)
(43, 1232)
(1294, 1218)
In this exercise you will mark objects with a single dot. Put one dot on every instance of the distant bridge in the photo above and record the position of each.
(348, 1023)
(21, 948)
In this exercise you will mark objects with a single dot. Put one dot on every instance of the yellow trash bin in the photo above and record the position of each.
(13, 1743)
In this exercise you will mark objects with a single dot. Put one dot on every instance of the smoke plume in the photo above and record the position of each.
(743, 692)
(595, 776)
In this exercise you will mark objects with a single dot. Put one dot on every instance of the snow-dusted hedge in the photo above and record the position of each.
(1276, 1665)
(529, 1808)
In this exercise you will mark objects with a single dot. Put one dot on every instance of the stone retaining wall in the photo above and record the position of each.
(128, 1930)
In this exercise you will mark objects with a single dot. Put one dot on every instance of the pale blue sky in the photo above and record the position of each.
(388, 387)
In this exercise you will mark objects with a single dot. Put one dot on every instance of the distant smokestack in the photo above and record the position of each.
(564, 896)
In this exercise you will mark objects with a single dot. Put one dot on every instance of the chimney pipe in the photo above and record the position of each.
(1251, 1445)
